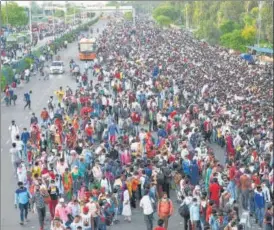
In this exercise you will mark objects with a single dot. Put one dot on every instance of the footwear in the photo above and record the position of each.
(21, 223)
(27, 220)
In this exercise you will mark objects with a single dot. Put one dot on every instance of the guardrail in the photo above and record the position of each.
(7, 71)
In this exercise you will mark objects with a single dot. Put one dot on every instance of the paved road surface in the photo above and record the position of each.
(42, 90)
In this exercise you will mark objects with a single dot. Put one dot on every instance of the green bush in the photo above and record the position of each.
(28, 61)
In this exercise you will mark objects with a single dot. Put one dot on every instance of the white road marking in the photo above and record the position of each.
(8, 141)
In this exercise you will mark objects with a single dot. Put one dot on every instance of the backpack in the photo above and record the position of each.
(184, 210)
(99, 126)
(160, 177)
(147, 181)
(167, 174)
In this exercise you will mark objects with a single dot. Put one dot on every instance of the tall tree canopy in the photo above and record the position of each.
(219, 21)
(13, 14)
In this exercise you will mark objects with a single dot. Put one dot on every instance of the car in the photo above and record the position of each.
(57, 67)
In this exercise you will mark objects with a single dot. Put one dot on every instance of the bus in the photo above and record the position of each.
(87, 49)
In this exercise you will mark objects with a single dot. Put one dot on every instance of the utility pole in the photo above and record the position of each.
(74, 16)
(7, 13)
(186, 17)
(30, 24)
(133, 16)
(259, 23)
(52, 13)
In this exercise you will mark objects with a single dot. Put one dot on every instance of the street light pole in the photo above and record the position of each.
(259, 23)
(7, 13)
(30, 24)
(53, 20)
(74, 16)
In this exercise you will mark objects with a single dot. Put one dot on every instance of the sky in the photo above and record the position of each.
(26, 3)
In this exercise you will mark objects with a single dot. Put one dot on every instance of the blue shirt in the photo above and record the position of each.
(112, 130)
(259, 199)
(22, 196)
(27, 96)
(162, 133)
(25, 136)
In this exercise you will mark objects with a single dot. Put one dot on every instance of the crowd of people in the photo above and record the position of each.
(156, 111)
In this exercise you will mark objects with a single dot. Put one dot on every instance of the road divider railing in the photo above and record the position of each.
(8, 71)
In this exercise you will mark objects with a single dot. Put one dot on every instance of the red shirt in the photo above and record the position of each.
(214, 190)
(256, 180)
(159, 228)
(232, 172)
(89, 131)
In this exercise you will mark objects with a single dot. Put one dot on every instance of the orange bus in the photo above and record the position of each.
(87, 49)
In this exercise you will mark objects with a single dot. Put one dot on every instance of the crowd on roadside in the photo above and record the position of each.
(144, 120)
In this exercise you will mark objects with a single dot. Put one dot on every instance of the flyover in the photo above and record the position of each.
(105, 9)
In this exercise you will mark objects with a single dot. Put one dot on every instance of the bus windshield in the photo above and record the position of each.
(87, 47)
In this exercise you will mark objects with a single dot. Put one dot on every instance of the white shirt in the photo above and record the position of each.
(266, 194)
(105, 184)
(146, 205)
(14, 129)
(74, 226)
(86, 220)
(14, 154)
(19, 145)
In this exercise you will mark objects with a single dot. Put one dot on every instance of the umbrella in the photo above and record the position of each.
(247, 57)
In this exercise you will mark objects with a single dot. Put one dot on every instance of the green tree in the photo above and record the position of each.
(16, 15)
(163, 20)
(166, 10)
(227, 27)
(35, 8)
(59, 13)
(128, 16)
(234, 40)
(208, 31)
(232, 10)
(267, 22)
(72, 9)
(249, 34)
(113, 3)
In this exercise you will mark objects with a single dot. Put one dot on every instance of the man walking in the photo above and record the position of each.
(27, 99)
(14, 131)
(22, 197)
(165, 209)
(38, 200)
(146, 204)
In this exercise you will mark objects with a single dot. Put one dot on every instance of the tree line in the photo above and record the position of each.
(232, 24)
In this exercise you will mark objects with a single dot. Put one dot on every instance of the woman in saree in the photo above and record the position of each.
(67, 184)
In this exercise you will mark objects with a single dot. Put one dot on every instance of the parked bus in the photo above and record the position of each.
(87, 49)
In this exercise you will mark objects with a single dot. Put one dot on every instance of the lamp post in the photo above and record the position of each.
(7, 13)
(259, 23)
(30, 24)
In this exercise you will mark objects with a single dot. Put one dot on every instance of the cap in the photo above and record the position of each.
(85, 209)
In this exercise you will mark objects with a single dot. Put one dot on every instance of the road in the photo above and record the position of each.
(42, 90)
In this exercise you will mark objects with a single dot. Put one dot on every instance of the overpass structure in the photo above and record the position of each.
(104, 9)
